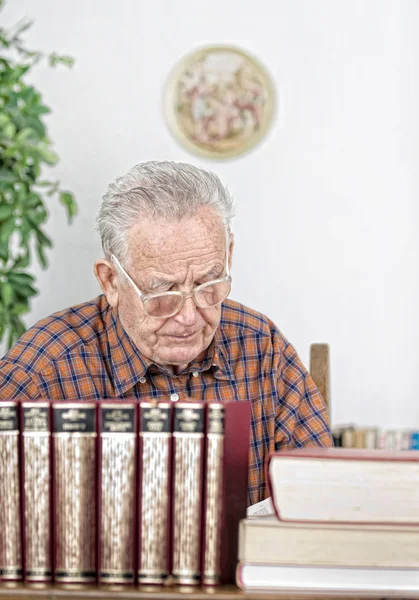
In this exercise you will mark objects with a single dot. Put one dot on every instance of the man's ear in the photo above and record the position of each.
(230, 250)
(107, 277)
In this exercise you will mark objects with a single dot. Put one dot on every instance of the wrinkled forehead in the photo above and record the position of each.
(201, 237)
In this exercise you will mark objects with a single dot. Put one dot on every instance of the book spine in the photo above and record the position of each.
(188, 434)
(36, 490)
(154, 479)
(370, 439)
(10, 515)
(116, 489)
(414, 440)
(235, 482)
(348, 437)
(74, 491)
(213, 494)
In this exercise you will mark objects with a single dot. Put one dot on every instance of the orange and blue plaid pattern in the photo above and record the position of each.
(84, 353)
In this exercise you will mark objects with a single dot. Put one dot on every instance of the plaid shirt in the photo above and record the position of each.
(84, 353)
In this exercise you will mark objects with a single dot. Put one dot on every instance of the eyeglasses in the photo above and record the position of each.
(168, 304)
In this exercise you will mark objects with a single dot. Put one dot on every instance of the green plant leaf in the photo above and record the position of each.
(27, 134)
(7, 293)
(6, 230)
(40, 109)
(3, 119)
(24, 290)
(9, 130)
(7, 176)
(48, 156)
(4, 252)
(41, 256)
(22, 262)
(35, 123)
(18, 326)
(54, 59)
(6, 211)
(11, 337)
(67, 199)
(20, 278)
(21, 308)
(43, 239)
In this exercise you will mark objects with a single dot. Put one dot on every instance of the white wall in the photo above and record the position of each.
(326, 232)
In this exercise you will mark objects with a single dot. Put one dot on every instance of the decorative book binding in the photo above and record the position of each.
(36, 490)
(116, 486)
(74, 491)
(154, 492)
(10, 523)
(188, 444)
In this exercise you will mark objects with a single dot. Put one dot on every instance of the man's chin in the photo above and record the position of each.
(180, 358)
(180, 355)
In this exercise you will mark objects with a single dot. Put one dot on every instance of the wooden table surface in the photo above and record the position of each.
(38, 591)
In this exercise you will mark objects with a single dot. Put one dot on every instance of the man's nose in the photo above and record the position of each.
(187, 316)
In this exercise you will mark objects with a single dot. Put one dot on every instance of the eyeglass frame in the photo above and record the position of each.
(184, 295)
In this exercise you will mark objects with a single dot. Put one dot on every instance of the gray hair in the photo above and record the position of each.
(166, 190)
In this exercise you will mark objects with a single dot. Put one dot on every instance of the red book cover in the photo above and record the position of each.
(74, 472)
(10, 505)
(344, 485)
(188, 455)
(36, 490)
(154, 492)
(226, 468)
(117, 435)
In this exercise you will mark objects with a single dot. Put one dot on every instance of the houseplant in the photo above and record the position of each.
(25, 149)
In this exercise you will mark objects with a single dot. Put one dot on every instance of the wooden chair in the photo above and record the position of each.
(320, 371)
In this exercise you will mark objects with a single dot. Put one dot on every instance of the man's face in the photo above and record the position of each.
(172, 256)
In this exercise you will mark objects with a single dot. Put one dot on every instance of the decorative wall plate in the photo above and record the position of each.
(219, 101)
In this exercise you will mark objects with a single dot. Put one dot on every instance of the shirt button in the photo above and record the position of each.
(195, 373)
(174, 397)
(143, 379)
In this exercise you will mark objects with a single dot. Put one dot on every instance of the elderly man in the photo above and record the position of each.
(164, 327)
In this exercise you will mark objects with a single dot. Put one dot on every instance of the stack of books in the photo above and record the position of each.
(354, 436)
(122, 492)
(346, 521)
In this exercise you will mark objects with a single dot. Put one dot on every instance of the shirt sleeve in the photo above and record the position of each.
(301, 416)
(16, 383)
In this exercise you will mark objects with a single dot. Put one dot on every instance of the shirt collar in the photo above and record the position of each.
(129, 365)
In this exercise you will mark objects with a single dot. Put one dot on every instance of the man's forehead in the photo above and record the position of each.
(158, 239)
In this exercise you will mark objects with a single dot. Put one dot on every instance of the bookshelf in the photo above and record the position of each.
(19, 591)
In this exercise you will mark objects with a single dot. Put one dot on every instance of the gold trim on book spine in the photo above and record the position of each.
(187, 504)
(36, 491)
(75, 488)
(74, 434)
(191, 579)
(10, 574)
(10, 538)
(116, 577)
(154, 506)
(38, 575)
(156, 578)
(75, 577)
(117, 515)
(130, 436)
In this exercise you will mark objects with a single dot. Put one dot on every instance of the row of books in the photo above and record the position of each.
(122, 492)
(345, 522)
(353, 436)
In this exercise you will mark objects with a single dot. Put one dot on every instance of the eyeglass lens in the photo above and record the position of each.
(207, 296)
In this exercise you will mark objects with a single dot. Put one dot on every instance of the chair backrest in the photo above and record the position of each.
(320, 370)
